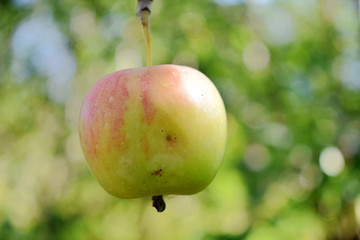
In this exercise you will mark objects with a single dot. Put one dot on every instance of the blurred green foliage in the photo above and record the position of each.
(288, 71)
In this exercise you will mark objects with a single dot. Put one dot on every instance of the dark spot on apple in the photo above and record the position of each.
(157, 172)
(162, 130)
(172, 140)
(168, 138)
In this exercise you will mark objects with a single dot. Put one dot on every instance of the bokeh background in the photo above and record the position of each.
(289, 74)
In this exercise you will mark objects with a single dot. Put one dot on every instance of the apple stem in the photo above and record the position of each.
(143, 12)
(158, 203)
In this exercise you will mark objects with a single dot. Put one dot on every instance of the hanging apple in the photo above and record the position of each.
(153, 131)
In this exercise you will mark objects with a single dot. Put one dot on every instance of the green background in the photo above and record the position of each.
(289, 74)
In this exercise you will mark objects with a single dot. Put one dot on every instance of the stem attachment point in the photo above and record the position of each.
(143, 10)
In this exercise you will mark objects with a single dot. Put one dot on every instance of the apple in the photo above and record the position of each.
(153, 131)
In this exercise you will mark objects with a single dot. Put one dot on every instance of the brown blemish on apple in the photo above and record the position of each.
(172, 140)
(168, 138)
(157, 172)
(146, 100)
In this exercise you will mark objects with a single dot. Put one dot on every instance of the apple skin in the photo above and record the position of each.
(154, 130)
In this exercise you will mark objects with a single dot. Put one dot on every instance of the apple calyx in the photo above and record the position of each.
(158, 203)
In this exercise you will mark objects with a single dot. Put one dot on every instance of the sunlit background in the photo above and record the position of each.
(289, 74)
